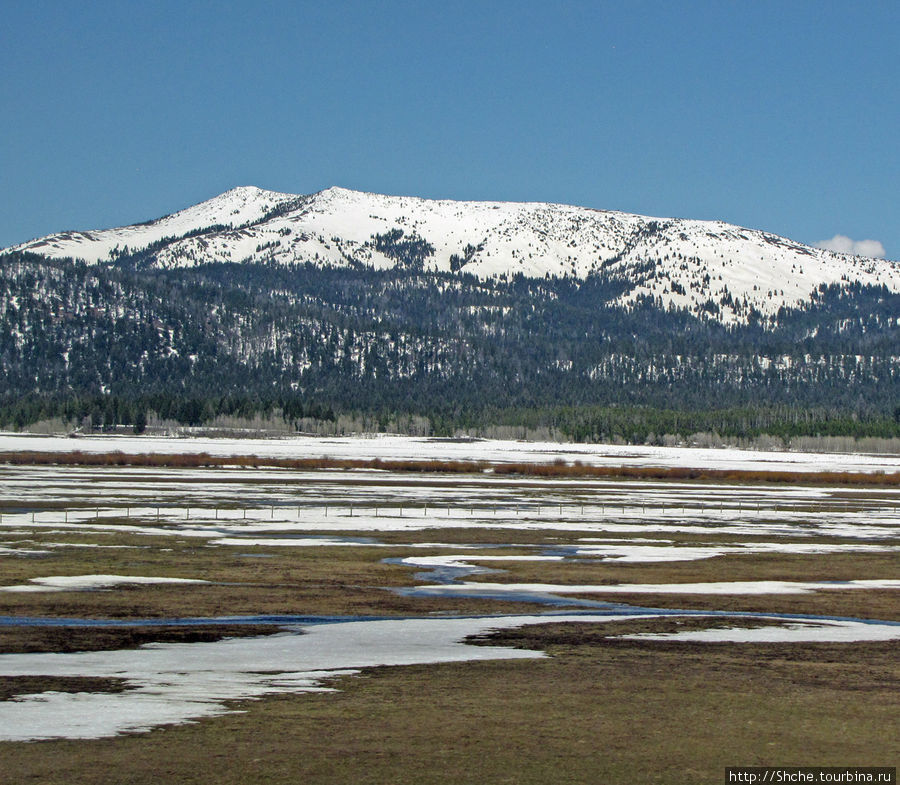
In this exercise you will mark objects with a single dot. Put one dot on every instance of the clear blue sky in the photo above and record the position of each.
(778, 115)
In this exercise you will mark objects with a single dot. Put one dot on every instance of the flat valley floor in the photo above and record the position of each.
(240, 624)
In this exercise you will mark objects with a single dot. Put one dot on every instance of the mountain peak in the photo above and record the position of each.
(253, 192)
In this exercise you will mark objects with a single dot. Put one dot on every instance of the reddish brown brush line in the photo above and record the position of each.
(193, 460)
(557, 469)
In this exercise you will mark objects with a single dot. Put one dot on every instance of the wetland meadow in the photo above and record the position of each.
(410, 610)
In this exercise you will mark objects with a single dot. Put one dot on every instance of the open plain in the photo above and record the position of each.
(359, 624)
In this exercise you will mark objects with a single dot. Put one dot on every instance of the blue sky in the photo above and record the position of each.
(783, 116)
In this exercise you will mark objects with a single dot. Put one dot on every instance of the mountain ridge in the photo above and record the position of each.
(709, 268)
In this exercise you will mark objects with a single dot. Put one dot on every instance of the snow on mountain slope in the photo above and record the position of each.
(236, 207)
(705, 266)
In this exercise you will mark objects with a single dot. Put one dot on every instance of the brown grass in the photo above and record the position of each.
(731, 567)
(13, 686)
(354, 581)
(301, 581)
(555, 469)
(596, 711)
(29, 640)
(881, 604)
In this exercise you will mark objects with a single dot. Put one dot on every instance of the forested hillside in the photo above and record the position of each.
(117, 342)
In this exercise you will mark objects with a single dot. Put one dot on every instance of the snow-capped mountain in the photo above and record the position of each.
(684, 263)
(237, 207)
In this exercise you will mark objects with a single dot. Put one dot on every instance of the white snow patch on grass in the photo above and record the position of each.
(88, 582)
(4, 551)
(710, 588)
(173, 683)
(458, 560)
(804, 632)
(389, 447)
(665, 553)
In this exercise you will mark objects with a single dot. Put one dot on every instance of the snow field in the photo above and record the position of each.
(533, 239)
(174, 683)
(55, 583)
(388, 447)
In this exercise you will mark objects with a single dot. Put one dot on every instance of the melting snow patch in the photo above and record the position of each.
(458, 560)
(726, 587)
(172, 683)
(660, 553)
(817, 632)
(4, 551)
(389, 447)
(85, 582)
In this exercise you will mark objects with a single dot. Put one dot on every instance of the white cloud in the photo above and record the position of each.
(843, 244)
